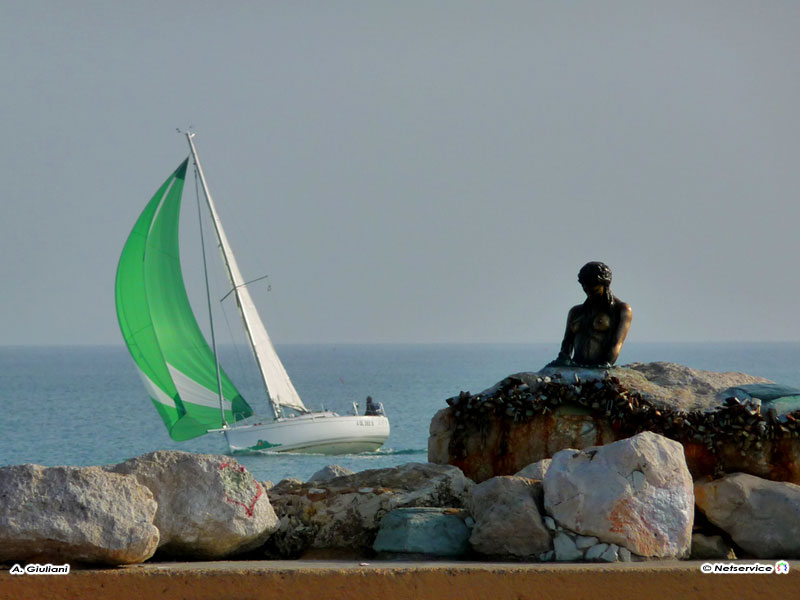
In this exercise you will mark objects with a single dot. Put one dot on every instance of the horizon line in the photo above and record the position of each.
(121, 344)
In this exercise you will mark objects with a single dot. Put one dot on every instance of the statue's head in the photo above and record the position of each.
(595, 278)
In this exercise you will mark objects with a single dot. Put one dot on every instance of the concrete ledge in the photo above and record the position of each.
(342, 580)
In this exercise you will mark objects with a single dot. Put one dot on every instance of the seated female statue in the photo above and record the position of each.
(597, 328)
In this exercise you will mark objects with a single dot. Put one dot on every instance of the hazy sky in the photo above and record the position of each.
(412, 171)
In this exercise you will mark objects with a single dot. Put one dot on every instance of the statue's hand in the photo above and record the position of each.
(561, 361)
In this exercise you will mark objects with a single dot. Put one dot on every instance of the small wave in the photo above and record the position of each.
(391, 452)
(250, 452)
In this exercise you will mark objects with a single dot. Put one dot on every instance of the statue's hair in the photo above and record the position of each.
(597, 273)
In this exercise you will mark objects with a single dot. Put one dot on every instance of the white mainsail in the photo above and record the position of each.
(279, 387)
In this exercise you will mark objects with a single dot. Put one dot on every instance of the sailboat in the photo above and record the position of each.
(181, 371)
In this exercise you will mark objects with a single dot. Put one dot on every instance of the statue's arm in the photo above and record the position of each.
(625, 318)
(568, 342)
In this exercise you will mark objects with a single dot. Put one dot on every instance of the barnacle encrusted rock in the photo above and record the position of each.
(530, 416)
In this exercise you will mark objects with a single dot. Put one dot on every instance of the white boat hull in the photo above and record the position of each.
(314, 433)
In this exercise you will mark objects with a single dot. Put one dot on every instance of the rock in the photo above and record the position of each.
(565, 548)
(583, 542)
(624, 554)
(330, 472)
(671, 386)
(635, 493)
(762, 517)
(427, 531)
(596, 551)
(535, 470)
(74, 514)
(526, 418)
(508, 520)
(345, 513)
(710, 546)
(209, 506)
(611, 554)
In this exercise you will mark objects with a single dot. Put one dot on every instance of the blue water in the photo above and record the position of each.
(87, 406)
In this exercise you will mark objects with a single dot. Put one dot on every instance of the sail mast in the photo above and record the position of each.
(210, 312)
(279, 387)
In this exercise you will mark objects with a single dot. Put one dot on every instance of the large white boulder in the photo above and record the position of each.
(507, 518)
(636, 493)
(74, 514)
(761, 516)
(535, 470)
(209, 506)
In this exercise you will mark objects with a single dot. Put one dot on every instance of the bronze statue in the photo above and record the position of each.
(597, 328)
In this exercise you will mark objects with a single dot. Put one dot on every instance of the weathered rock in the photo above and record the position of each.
(531, 416)
(596, 551)
(611, 554)
(565, 548)
(74, 514)
(428, 531)
(536, 470)
(507, 517)
(549, 522)
(583, 542)
(710, 546)
(670, 386)
(762, 517)
(345, 513)
(209, 506)
(330, 472)
(504, 446)
(635, 493)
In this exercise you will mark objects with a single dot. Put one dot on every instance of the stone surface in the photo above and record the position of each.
(428, 531)
(330, 472)
(611, 554)
(209, 506)
(74, 514)
(508, 521)
(711, 546)
(565, 548)
(345, 513)
(536, 470)
(547, 556)
(582, 542)
(531, 416)
(635, 493)
(596, 551)
(762, 517)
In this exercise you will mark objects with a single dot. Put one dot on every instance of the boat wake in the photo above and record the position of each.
(391, 452)
(377, 453)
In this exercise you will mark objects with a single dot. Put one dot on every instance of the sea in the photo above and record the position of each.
(85, 405)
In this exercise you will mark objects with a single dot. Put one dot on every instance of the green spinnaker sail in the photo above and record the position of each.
(162, 334)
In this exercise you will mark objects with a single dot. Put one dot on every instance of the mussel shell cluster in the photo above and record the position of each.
(735, 421)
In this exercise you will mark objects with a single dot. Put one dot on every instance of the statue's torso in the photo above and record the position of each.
(593, 327)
